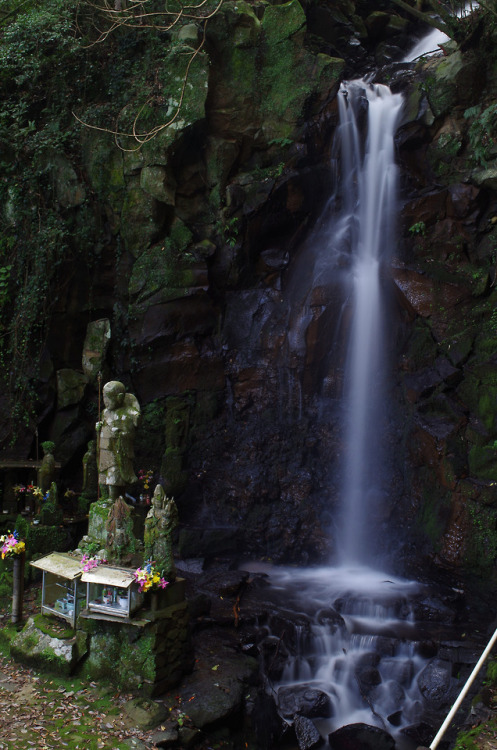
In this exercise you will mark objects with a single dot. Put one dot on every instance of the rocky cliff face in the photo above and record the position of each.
(172, 267)
(446, 280)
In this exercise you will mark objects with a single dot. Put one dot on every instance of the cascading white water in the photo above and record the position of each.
(358, 622)
(369, 211)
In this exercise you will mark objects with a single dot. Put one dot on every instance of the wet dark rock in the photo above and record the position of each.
(435, 682)
(361, 737)
(267, 724)
(166, 737)
(274, 656)
(212, 702)
(189, 736)
(304, 700)
(367, 677)
(367, 659)
(422, 733)
(395, 719)
(225, 583)
(433, 610)
(292, 627)
(307, 735)
(331, 618)
(385, 646)
(199, 605)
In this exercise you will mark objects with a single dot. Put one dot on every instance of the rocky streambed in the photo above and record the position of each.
(246, 632)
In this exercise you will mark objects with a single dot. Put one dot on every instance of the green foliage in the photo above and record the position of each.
(6, 579)
(482, 132)
(491, 676)
(37, 130)
(229, 229)
(419, 229)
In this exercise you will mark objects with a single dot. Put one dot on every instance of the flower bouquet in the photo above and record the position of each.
(11, 545)
(149, 578)
(89, 563)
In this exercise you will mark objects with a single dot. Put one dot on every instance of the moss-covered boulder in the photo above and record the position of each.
(453, 79)
(96, 343)
(97, 521)
(71, 386)
(42, 645)
(267, 75)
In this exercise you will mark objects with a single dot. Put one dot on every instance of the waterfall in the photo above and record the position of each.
(369, 187)
(353, 640)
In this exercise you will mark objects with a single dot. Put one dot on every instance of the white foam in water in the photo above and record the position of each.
(431, 43)
(376, 621)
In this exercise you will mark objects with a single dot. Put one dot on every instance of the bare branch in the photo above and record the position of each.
(437, 23)
(141, 138)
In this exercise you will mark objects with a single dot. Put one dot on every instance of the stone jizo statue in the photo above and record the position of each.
(160, 524)
(90, 473)
(117, 432)
(46, 472)
(120, 537)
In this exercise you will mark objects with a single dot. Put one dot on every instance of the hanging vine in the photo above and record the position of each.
(108, 19)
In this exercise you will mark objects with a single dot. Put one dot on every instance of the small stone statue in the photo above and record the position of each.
(162, 520)
(117, 432)
(120, 538)
(90, 473)
(46, 472)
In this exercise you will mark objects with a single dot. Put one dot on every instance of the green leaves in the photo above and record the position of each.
(482, 132)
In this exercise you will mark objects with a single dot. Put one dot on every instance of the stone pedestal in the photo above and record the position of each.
(153, 650)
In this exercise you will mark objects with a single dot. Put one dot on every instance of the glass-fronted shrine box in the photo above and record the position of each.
(63, 594)
(112, 591)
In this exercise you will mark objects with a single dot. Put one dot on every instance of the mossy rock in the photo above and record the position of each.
(269, 77)
(481, 541)
(40, 646)
(145, 713)
(165, 272)
(452, 80)
(483, 462)
(104, 164)
(142, 218)
(97, 520)
(120, 660)
(95, 347)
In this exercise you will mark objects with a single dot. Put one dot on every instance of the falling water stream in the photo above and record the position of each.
(370, 183)
(357, 642)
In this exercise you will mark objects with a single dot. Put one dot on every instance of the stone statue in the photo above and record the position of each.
(117, 432)
(120, 538)
(162, 520)
(90, 473)
(46, 472)
(51, 512)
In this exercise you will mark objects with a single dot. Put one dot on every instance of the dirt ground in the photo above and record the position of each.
(43, 711)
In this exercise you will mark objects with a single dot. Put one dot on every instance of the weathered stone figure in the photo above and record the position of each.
(162, 520)
(120, 537)
(117, 432)
(90, 473)
(46, 472)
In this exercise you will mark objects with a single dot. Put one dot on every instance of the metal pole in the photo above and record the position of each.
(18, 587)
(463, 692)
(99, 381)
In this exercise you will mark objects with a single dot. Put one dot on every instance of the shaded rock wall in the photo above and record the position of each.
(446, 278)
